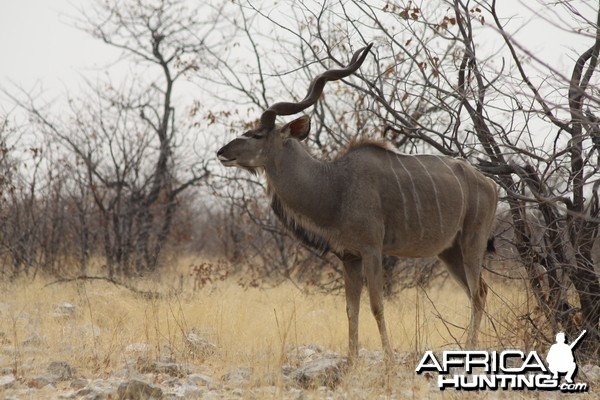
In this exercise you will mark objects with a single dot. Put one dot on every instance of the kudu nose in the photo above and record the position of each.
(221, 154)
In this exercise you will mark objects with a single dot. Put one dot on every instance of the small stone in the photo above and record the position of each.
(7, 381)
(311, 352)
(296, 394)
(592, 372)
(60, 371)
(158, 367)
(188, 392)
(65, 310)
(69, 394)
(138, 349)
(40, 381)
(171, 382)
(212, 395)
(287, 369)
(270, 391)
(325, 372)
(199, 346)
(91, 394)
(201, 380)
(33, 340)
(79, 384)
(138, 390)
(300, 353)
(315, 347)
(89, 331)
(167, 354)
(98, 390)
(238, 377)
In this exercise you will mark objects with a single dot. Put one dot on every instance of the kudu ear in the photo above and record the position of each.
(298, 128)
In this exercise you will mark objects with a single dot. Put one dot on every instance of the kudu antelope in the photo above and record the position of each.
(371, 201)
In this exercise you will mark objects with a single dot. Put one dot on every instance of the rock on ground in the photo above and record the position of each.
(60, 370)
(238, 377)
(138, 390)
(324, 372)
(198, 346)
(309, 372)
(7, 381)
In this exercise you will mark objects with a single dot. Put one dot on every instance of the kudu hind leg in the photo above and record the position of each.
(353, 283)
(473, 252)
(478, 300)
(374, 273)
(469, 279)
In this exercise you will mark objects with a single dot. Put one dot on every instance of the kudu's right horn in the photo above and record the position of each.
(315, 89)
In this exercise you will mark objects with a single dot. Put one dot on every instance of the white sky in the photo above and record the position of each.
(40, 48)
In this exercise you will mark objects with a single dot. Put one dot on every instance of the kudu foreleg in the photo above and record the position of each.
(353, 283)
(374, 273)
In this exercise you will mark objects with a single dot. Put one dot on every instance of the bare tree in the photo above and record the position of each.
(168, 35)
(125, 137)
(35, 231)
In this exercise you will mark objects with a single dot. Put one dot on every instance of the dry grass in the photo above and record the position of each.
(250, 327)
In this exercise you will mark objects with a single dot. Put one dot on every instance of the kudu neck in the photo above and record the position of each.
(306, 186)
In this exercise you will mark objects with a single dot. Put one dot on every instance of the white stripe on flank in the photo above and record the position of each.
(404, 203)
(437, 197)
(462, 191)
(477, 203)
(417, 199)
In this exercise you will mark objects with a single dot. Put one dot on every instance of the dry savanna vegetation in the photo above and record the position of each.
(133, 264)
(232, 340)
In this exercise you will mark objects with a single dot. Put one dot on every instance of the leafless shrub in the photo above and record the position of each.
(206, 273)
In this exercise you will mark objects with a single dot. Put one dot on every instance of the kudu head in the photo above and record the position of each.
(255, 147)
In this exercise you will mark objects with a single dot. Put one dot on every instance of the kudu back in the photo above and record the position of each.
(372, 201)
